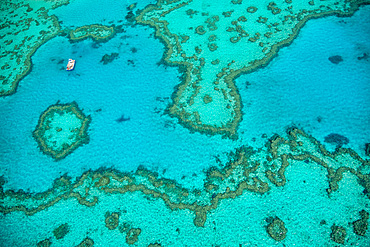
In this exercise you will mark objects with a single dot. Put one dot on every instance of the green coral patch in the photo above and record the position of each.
(96, 32)
(61, 129)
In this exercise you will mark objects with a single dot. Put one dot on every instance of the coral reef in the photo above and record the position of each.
(87, 242)
(44, 243)
(338, 234)
(99, 33)
(248, 170)
(252, 9)
(61, 231)
(132, 235)
(124, 227)
(154, 245)
(336, 59)
(364, 56)
(25, 26)
(61, 129)
(252, 47)
(111, 220)
(337, 139)
(207, 99)
(360, 226)
(109, 58)
(276, 228)
(367, 149)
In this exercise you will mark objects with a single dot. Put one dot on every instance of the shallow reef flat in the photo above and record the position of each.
(247, 171)
(214, 42)
(96, 32)
(24, 26)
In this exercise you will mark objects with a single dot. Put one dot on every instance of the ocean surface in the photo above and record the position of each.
(300, 87)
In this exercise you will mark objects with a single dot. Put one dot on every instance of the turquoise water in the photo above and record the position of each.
(299, 86)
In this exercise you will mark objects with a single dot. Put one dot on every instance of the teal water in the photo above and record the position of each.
(141, 91)
(296, 88)
(301, 84)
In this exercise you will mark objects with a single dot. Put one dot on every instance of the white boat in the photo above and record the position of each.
(71, 64)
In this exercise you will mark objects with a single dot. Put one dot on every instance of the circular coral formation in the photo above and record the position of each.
(61, 129)
(338, 234)
(200, 30)
(252, 9)
(132, 235)
(212, 38)
(235, 39)
(242, 18)
(212, 46)
(274, 10)
(276, 228)
(262, 19)
(111, 220)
